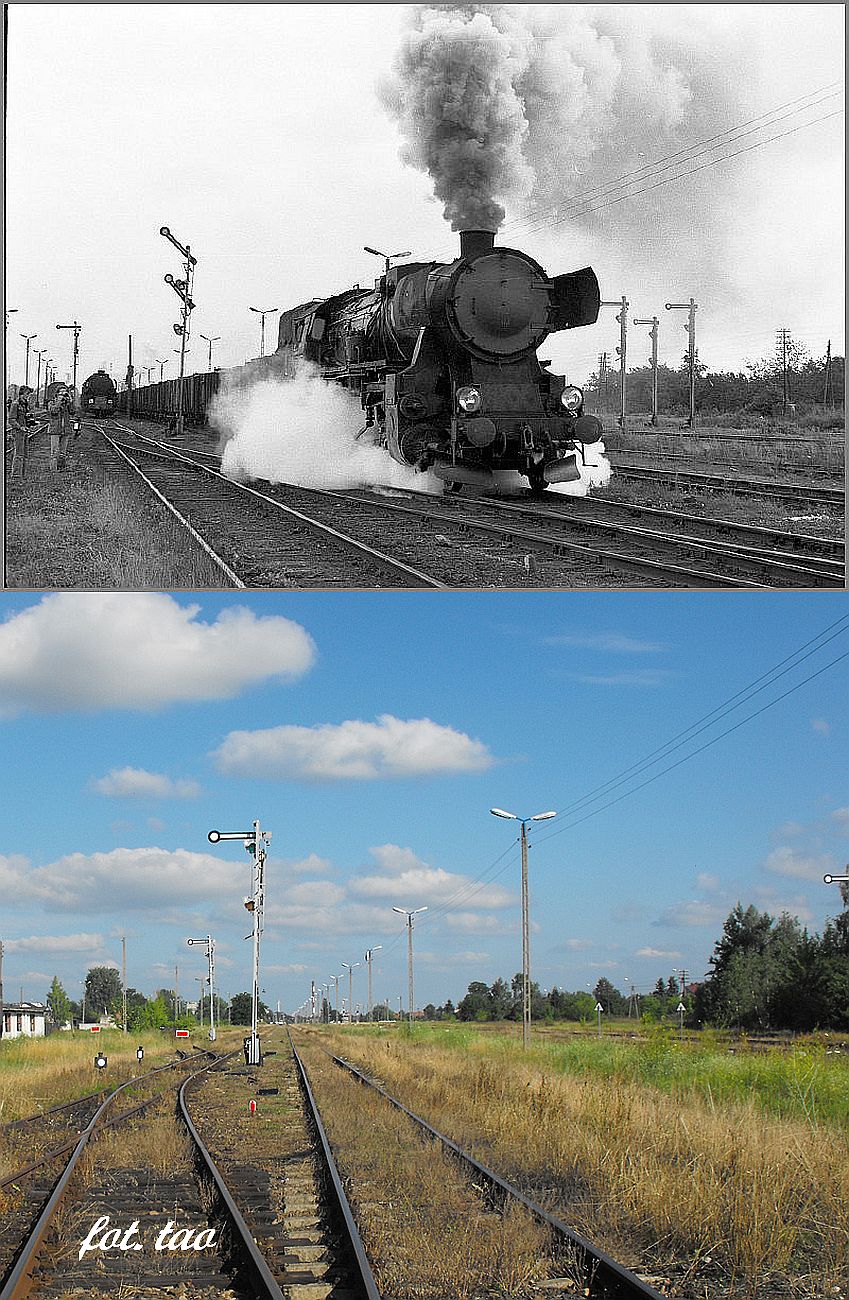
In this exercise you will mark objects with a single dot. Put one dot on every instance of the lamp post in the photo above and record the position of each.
(268, 311)
(210, 954)
(9, 312)
(526, 946)
(39, 352)
(256, 843)
(162, 365)
(183, 289)
(409, 915)
(28, 338)
(369, 955)
(336, 978)
(350, 969)
(210, 341)
(387, 257)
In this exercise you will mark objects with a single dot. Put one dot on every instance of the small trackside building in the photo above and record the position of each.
(22, 1020)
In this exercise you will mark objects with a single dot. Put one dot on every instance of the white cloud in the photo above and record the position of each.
(576, 945)
(820, 725)
(121, 880)
(408, 881)
(352, 751)
(785, 861)
(141, 650)
(657, 952)
(707, 882)
(56, 943)
(609, 642)
(136, 783)
(472, 923)
(841, 816)
(693, 912)
(453, 959)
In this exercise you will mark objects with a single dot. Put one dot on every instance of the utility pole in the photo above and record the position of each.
(691, 307)
(409, 915)
(782, 343)
(129, 374)
(183, 290)
(76, 327)
(28, 338)
(653, 321)
(1, 988)
(201, 979)
(621, 351)
(369, 956)
(124, 978)
(828, 382)
(336, 978)
(39, 352)
(255, 842)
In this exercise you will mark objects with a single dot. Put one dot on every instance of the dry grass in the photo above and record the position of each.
(762, 1198)
(426, 1229)
(760, 450)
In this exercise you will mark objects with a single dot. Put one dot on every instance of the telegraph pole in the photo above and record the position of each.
(76, 327)
(691, 307)
(621, 351)
(409, 915)
(828, 384)
(124, 978)
(183, 290)
(653, 321)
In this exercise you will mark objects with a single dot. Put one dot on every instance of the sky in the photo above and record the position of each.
(261, 136)
(371, 733)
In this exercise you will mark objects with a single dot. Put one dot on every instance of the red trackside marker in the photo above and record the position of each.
(252, 1106)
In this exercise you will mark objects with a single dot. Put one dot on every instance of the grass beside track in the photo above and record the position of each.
(682, 1153)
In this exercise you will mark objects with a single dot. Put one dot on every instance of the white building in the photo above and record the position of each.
(22, 1020)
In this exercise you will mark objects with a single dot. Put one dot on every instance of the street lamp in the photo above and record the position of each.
(210, 953)
(9, 311)
(28, 338)
(368, 960)
(162, 365)
(526, 945)
(404, 911)
(350, 969)
(255, 842)
(387, 257)
(269, 311)
(210, 341)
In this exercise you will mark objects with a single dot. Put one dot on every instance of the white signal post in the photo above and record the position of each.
(837, 880)
(76, 327)
(599, 1008)
(256, 843)
(654, 322)
(691, 307)
(526, 940)
(210, 954)
(368, 958)
(183, 290)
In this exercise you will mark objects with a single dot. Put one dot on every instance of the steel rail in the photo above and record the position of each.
(181, 519)
(605, 1277)
(354, 1238)
(19, 1281)
(751, 487)
(350, 543)
(54, 1110)
(262, 1279)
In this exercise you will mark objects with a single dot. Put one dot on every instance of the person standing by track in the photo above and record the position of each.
(18, 425)
(61, 411)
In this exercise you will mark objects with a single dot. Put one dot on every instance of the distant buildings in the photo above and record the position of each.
(23, 1020)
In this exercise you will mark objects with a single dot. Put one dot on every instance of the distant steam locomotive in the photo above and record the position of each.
(98, 394)
(443, 356)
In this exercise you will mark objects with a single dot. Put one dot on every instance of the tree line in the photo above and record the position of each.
(767, 973)
(104, 997)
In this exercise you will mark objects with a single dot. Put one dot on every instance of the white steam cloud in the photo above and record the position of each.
(304, 431)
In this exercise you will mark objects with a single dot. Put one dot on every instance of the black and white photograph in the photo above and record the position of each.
(491, 296)
(424, 707)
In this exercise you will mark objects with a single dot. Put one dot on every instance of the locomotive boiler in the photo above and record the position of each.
(444, 358)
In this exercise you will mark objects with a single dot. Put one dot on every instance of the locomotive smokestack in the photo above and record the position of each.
(475, 243)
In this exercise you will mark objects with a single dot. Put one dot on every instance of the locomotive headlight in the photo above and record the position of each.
(469, 399)
(572, 398)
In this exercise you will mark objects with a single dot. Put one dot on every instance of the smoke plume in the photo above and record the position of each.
(533, 106)
(303, 431)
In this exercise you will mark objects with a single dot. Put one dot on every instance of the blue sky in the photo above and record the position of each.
(371, 733)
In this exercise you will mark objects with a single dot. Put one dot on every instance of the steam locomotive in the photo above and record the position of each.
(98, 394)
(443, 356)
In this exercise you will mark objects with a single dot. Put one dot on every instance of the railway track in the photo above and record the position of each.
(819, 494)
(245, 1223)
(562, 543)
